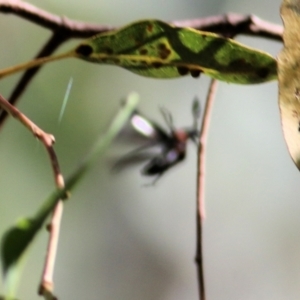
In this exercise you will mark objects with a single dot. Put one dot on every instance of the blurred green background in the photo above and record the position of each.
(119, 239)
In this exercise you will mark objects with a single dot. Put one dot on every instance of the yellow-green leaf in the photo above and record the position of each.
(289, 78)
(156, 49)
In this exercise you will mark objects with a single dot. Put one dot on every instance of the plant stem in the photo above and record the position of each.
(201, 184)
(33, 63)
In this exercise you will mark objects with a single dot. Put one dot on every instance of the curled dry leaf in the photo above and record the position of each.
(289, 78)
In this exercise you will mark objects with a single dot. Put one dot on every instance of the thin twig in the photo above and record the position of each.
(48, 140)
(200, 183)
(33, 63)
(46, 286)
(233, 23)
(76, 29)
(64, 29)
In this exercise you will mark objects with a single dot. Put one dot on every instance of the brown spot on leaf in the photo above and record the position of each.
(157, 64)
(195, 73)
(165, 54)
(163, 51)
(161, 46)
(85, 50)
(263, 72)
(150, 27)
(143, 51)
(182, 71)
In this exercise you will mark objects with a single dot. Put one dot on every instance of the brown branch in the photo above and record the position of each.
(227, 23)
(46, 286)
(200, 184)
(232, 24)
(48, 140)
(72, 28)
(64, 29)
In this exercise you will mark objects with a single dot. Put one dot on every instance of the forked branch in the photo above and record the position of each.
(64, 29)
(48, 140)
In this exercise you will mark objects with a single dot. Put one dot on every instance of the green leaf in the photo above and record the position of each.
(14, 244)
(289, 78)
(156, 49)
(17, 239)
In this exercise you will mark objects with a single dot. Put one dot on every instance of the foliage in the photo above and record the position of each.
(153, 48)
(156, 49)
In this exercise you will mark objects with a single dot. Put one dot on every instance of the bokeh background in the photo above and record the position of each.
(120, 239)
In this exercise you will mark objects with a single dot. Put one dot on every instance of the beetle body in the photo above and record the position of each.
(172, 144)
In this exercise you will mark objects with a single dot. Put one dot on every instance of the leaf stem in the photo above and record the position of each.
(33, 63)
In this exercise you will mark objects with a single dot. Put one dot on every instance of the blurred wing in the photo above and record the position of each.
(148, 128)
(136, 156)
(141, 131)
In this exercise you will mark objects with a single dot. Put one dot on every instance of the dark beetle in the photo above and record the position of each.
(172, 145)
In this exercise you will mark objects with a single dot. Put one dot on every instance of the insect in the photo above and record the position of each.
(171, 143)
